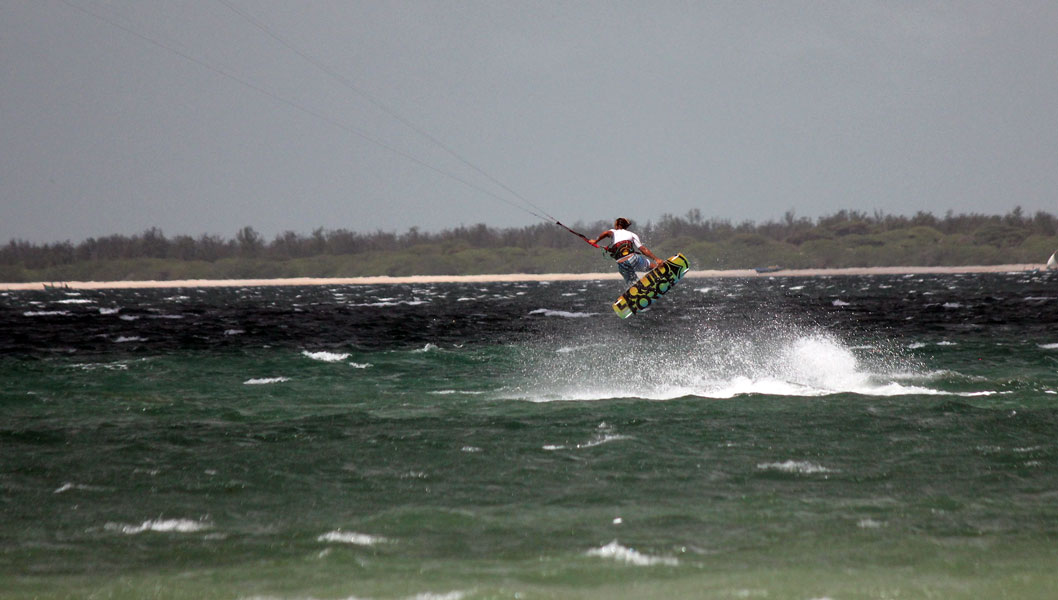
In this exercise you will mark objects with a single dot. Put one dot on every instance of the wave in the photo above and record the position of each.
(66, 487)
(799, 467)
(605, 435)
(721, 367)
(325, 356)
(392, 302)
(616, 551)
(160, 526)
(266, 380)
(350, 537)
(561, 313)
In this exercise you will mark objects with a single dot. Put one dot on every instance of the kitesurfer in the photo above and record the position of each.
(627, 250)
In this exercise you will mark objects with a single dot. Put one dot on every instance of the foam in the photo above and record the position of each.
(266, 380)
(68, 486)
(160, 526)
(561, 313)
(111, 366)
(349, 537)
(619, 553)
(325, 356)
(391, 302)
(799, 467)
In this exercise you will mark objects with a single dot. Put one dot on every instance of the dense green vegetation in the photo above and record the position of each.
(845, 239)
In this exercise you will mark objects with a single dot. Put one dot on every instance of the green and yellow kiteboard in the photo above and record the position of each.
(644, 292)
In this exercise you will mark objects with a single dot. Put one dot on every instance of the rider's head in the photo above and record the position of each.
(621, 223)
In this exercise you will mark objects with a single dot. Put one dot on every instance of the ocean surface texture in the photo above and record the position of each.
(768, 438)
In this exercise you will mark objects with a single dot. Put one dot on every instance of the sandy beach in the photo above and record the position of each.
(419, 279)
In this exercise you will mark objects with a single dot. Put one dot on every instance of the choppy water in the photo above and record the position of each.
(845, 437)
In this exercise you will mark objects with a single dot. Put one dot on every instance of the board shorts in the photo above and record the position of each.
(628, 268)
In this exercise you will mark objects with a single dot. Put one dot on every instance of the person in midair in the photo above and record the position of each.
(630, 253)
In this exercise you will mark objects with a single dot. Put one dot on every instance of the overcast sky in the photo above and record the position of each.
(120, 115)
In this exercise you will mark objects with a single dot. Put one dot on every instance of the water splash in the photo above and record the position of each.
(714, 364)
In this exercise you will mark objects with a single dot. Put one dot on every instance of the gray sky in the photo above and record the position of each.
(184, 115)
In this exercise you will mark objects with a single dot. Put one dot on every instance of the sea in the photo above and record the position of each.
(803, 438)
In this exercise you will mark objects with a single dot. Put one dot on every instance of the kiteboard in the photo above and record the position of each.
(644, 292)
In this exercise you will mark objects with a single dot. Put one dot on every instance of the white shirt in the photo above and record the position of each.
(623, 235)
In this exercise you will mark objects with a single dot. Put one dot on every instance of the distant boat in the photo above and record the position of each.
(1052, 262)
(770, 269)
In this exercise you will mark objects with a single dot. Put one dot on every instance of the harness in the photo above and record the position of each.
(621, 249)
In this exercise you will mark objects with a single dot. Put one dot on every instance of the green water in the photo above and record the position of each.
(800, 466)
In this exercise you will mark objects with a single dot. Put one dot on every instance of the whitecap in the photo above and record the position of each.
(113, 366)
(456, 595)
(1048, 346)
(428, 348)
(349, 537)
(124, 339)
(160, 526)
(383, 303)
(356, 365)
(128, 318)
(325, 356)
(75, 301)
(840, 303)
(234, 331)
(66, 487)
(265, 380)
(620, 553)
(952, 305)
(795, 466)
(603, 439)
(869, 523)
(46, 313)
(108, 311)
(561, 313)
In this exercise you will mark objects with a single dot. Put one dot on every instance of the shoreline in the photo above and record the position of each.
(510, 277)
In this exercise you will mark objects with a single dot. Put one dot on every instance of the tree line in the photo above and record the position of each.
(845, 238)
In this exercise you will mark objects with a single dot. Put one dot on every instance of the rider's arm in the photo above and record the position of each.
(607, 233)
